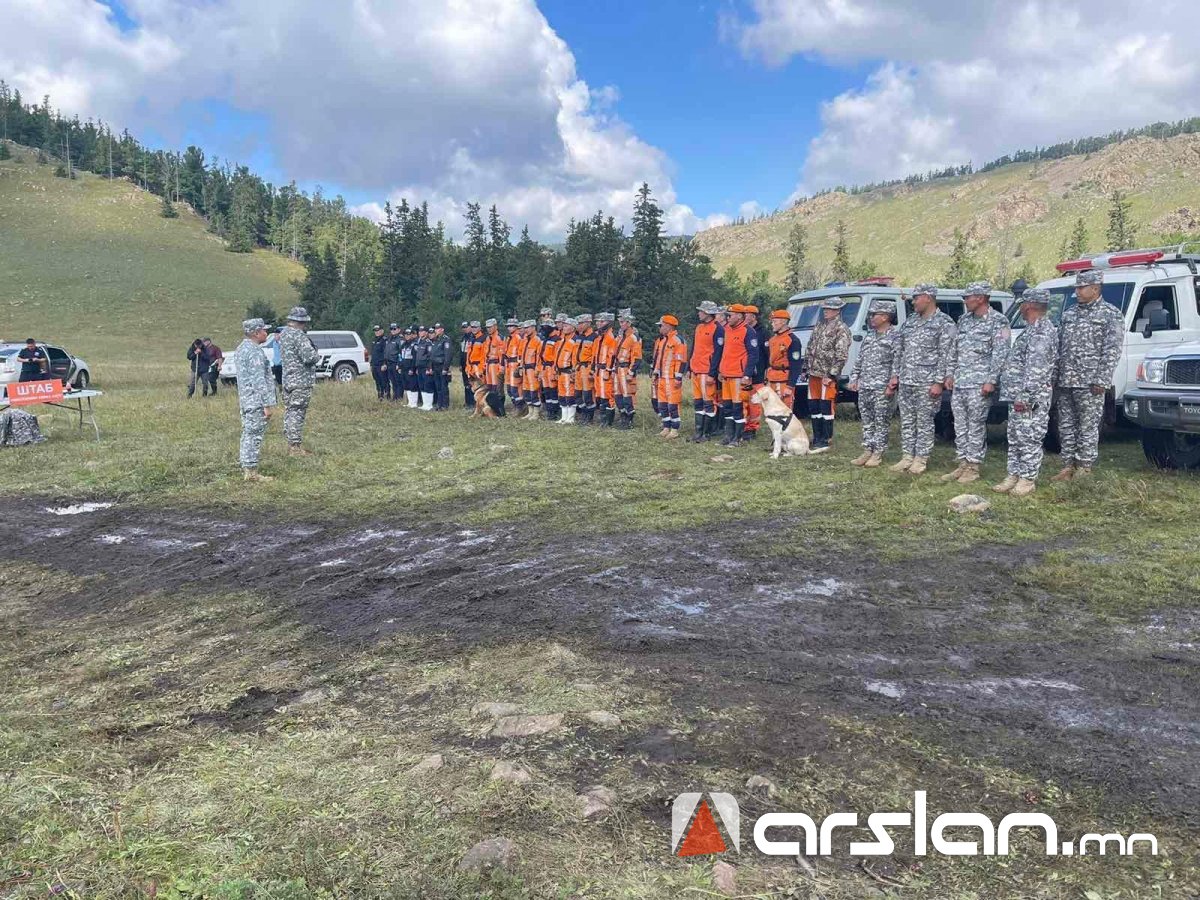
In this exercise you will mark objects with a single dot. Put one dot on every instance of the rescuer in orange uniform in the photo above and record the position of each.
(493, 343)
(658, 339)
(739, 358)
(476, 359)
(586, 335)
(704, 370)
(550, 335)
(754, 410)
(514, 346)
(605, 364)
(670, 365)
(785, 358)
(566, 362)
(530, 370)
(628, 360)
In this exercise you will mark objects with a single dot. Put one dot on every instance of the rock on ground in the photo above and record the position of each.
(524, 726)
(506, 771)
(725, 878)
(969, 503)
(430, 763)
(596, 801)
(722, 458)
(494, 710)
(489, 855)
(761, 784)
(606, 719)
(446, 453)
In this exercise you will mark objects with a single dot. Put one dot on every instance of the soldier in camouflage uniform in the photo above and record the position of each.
(926, 347)
(979, 353)
(256, 396)
(826, 353)
(299, 376)
(1027, 381)
(1091, 335)
(871, 378)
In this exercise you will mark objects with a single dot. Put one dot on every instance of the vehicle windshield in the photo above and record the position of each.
(807, 313)
(1117, 293)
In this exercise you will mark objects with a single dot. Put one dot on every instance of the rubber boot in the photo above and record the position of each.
(953, 476)
(1007, 484)
(861, 459)
(875, 461)
(1023, 488)
(568, 417)
(730, 431)
(970, 474)
(905, 461)
(411, 396)
(739, 433)
(426, 402)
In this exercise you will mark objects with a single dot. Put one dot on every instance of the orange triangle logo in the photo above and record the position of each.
(702, 837)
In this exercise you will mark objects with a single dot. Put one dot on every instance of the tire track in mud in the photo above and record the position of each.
(984, 666)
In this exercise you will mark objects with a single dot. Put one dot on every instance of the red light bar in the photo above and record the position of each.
(1135, 259)
(1074, 265)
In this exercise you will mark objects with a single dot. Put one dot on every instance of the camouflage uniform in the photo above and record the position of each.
(1090, 339)
(256, 391)
(979, 353)
(1028, 378)
(19, 429)
(299, 376)
(926, 347)
(874, 368)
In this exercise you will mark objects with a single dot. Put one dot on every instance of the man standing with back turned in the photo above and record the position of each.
(299, 377)
(256, 396)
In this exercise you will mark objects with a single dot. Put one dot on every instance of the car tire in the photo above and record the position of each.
(229, 382)
(345, 372)
(82, 380)
(1171, 449)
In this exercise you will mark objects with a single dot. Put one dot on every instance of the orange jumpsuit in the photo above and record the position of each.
(625, 371)
(785, 359)
(494, 344)
(566, 361)
(531, 362)
(670, 362)
(549, 374)
(514, 348)
(736, 370)
(606, 359)
(703, 366)
(477, 359)
(587, 370)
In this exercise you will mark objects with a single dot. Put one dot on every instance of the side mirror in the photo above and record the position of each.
(1159, 320)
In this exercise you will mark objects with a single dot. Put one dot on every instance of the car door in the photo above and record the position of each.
(60, 363)
(1154, 295)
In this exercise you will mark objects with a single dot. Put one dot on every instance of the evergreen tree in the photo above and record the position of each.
(5, 153)
(1122, 233)
(841, 254)
(644, 254)
(168, 209)
(964, 267)
(797, 259)
(1075, 246)
(261, 309)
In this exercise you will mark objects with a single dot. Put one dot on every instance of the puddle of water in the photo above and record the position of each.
(885, 689)
(76, 509)
(112, 539)
(332, 562)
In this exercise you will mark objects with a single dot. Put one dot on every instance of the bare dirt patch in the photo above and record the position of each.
(957, 646)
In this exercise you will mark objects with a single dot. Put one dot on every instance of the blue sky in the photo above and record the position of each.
(721, 106)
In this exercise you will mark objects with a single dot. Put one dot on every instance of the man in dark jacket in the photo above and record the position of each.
(439, 361)
(422, 362)
(464, 351)
(211, 358)
(379, 371)
(195, 358)
(391, 356)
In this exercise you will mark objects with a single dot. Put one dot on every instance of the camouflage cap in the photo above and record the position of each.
(1039, 296)
(570, 320)
(299, 314)
(583, 317)
(977, 289)
(925, 288)
(560, 317)
(545, 311)
(490, 322)
(1091, 276)
(833, 303)
(709, 308)
(252, 325)
(604, 317)
(513, 322)
(885, 307)
(528, 323)
(625, 315)
(474, 324)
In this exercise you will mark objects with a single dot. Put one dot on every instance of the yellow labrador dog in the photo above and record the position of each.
(790, 437)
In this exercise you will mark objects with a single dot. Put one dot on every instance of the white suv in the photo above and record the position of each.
(344, 357)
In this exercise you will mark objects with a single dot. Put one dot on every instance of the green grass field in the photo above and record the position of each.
(125, 770)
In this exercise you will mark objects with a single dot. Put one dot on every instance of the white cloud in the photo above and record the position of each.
(965, 82)
(446, 102)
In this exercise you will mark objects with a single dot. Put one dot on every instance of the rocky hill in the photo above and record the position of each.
(1014, 214)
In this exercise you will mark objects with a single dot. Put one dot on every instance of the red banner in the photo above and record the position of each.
(26, 393)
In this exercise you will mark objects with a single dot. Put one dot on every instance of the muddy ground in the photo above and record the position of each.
(973, 661)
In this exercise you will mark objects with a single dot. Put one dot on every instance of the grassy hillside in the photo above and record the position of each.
(91, 263)
(1019, 212)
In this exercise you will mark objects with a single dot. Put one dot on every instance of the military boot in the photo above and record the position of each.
(919, 464)
(1082, 472)
(1007, 484)
(1067, 473)
(970, 474)
(297, 450)
(905, 461)
(1023, 488)
(955, 475)
(253, 475)
(861, 459)
(875, 460)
